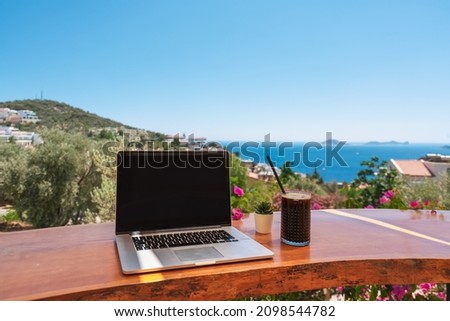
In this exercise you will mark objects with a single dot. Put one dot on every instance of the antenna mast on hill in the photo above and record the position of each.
(42, 94)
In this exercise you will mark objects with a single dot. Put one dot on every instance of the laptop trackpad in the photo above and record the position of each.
(199, 253)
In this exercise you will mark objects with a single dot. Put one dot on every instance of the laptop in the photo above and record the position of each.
(173, 211)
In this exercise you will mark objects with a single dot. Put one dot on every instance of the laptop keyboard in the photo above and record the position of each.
(181, 239)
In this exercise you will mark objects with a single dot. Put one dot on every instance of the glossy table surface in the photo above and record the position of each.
(348, 247)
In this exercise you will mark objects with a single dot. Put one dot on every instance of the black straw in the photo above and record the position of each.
(276, 175)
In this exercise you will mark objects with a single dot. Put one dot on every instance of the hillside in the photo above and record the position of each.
(55, 114)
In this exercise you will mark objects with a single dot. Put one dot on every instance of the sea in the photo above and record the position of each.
(339, 162)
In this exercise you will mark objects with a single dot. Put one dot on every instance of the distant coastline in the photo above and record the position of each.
(351, 153)
(392, 142)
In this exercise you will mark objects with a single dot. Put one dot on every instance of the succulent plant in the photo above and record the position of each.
(264, 207)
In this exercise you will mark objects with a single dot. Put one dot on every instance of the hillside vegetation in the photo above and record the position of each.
(62, 116)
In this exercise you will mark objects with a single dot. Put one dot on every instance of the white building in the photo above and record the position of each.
(190, 142)
(28, 116)
(14, 116)
(5, 134)
(4, 113)
(19, 137)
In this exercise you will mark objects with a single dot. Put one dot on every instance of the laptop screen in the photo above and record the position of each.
(172, 190)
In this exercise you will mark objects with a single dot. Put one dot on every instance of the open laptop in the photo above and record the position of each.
(173, 211)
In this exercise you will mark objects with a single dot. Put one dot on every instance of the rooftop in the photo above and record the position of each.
(411, 168)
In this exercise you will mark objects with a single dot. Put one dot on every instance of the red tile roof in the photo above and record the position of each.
(411, 168)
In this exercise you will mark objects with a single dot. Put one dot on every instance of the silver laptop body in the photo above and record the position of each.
(173, 196)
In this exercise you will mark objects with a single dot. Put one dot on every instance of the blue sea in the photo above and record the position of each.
(337, 163)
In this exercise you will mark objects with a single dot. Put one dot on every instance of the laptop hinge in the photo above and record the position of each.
(175, 230)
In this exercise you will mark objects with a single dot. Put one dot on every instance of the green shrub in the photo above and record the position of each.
(10, 216)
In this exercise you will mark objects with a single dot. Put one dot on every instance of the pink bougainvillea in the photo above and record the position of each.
(237, 213)
(238, 191)
(384, 199)
(414, 204)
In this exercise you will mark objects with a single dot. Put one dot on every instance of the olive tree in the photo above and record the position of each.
(103, 195)
(56, 186)
(13, 159)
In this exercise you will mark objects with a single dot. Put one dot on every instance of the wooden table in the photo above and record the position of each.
(348, 247)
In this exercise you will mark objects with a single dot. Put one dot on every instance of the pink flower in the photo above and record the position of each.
(441, 295)
(365, 293)
(238, 191)
(425, 287)
(340, 289)
(384, 199)
(389, 194)
(426, 202)
(237, 213)
(398, 292)
(433, 212)
(414, 204)
(370, 206)
(316, 206)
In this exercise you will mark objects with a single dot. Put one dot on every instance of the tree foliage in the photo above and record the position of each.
(238, 173)
(436, 191)
(286, 172)
(371, 183)
(103, 195)
(13, 159)
(52, 185)
(305, 184)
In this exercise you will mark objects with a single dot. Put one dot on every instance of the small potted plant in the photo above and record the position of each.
(263, 217)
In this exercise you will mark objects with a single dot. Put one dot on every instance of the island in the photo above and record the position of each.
(392, 142)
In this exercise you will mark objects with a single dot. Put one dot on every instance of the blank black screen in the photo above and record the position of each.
(161, 190)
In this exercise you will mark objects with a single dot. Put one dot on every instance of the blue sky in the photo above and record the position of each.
(227, 70)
